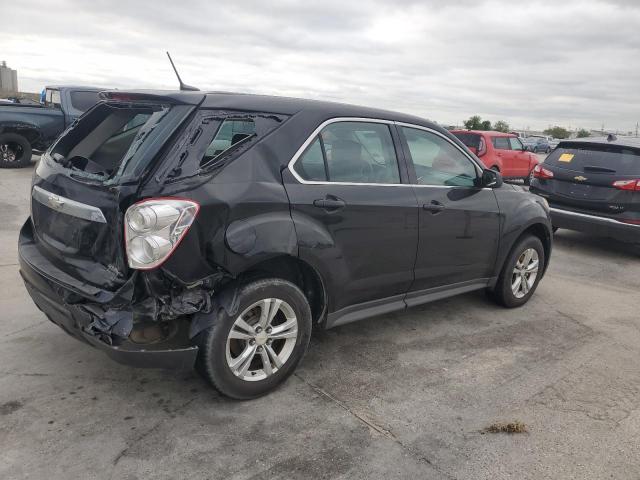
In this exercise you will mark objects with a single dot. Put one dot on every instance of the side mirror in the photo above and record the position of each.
(525, 148)
(491, 178)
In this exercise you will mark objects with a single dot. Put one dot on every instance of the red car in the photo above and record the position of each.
(501, 151)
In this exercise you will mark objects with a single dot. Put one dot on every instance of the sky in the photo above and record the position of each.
(530, 63)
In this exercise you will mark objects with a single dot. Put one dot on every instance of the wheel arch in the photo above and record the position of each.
(298, 272)
(539, 230)
(29, 132)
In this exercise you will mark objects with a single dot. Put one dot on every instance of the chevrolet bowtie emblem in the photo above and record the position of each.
(55, 202)
(580, 178)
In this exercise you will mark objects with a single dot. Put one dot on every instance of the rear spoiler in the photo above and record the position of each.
(153, 96)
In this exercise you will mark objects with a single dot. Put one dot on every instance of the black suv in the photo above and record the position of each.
(173, 229)
(593, 186)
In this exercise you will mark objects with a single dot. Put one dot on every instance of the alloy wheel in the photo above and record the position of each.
(10, 152)
(525, 272)
(261, 339)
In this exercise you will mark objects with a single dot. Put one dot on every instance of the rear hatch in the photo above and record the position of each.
(592, 178)
(88, 178)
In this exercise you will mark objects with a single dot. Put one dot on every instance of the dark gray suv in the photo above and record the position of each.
(209, 229)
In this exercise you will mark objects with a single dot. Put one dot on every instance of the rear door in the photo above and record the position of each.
(459, 222)
(356, 220)
(592, 177)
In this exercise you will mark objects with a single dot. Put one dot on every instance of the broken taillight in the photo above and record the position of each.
(154, 228)
(633, 185)
(540, 172)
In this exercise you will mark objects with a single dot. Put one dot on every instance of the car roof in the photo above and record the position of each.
(75, 87)
(633, 142)
(493, 133)
(278, 105)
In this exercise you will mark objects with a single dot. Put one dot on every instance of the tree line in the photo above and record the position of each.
(476, 122)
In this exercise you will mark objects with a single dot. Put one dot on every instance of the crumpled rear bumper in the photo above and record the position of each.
(50, 288)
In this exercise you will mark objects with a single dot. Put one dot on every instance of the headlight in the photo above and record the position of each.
(154, 228)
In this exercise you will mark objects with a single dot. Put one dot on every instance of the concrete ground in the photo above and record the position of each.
(406, 395)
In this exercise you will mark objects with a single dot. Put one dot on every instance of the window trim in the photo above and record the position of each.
(404, 159)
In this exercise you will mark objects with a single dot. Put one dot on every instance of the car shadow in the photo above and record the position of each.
(594, 245)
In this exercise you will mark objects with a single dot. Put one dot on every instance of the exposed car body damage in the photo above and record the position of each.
(252, 222)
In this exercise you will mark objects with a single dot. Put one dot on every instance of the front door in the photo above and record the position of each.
(356, 217)
(459, 221)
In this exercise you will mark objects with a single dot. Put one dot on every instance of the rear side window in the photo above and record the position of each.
(230, 133)
(501, 143)
(351, 152)
(598, 158)
(83, 100)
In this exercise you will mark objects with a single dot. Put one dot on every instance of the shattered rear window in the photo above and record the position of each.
(115, 140)
(230, 133)
(214, 138)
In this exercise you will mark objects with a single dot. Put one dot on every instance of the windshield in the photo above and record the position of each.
(116, 140)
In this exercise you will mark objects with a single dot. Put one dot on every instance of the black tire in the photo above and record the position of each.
(212, 342)
(502, 292)
(15, 151)
(528, 178)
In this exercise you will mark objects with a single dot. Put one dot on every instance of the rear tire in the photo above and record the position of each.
(15, 151)
(269, 360)
(528, 178)
(525, 259)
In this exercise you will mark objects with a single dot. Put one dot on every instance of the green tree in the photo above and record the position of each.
(582, 133)
(485, 125)
(557, 132)
(501, 126)
(476, 123)
(473, 123)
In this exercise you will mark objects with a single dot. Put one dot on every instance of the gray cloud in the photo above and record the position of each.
(533, 64)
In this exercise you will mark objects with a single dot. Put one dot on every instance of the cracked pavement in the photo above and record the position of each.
(405, 395)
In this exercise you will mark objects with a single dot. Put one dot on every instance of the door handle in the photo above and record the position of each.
(330, 203)
(434, 207)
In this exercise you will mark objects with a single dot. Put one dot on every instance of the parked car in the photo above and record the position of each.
(593, 186)
(503, 152)
(26, 127)
(161, 251)
(536, 144)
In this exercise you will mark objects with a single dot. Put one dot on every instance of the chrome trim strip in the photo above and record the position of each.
(68, 206)
(313, 135)
(593, 217)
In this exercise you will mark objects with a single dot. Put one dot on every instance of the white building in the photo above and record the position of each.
(8, 79)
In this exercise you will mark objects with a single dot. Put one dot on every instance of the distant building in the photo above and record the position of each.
(8, 79)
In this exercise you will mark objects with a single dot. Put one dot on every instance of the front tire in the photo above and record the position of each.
(521, 273)
(250, 353)
(15, 151)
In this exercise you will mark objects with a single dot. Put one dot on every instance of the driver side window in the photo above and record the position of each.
(437, 161)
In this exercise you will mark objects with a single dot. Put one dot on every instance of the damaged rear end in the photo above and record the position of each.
(91, 250)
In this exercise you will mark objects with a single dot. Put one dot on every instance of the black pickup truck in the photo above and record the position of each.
(26, 128)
